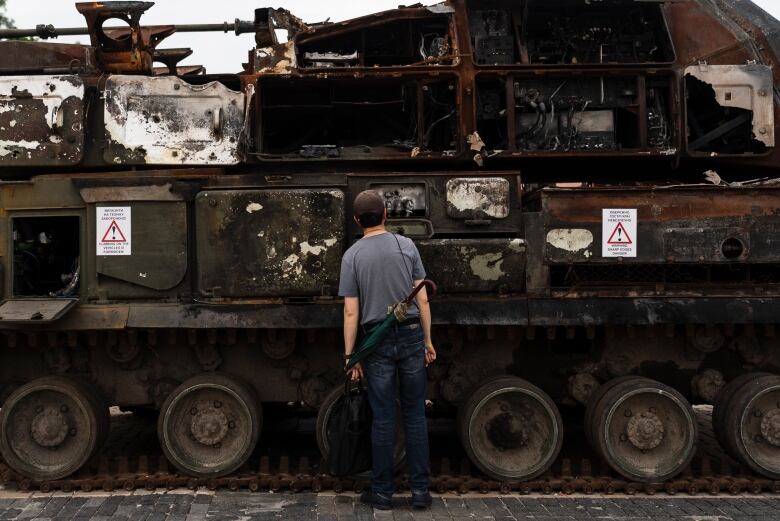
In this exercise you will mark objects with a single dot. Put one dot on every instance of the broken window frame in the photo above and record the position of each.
(641, 78)
(366, 23)
(10, 273)
(418, 153)
(520, 44)
(687, 137)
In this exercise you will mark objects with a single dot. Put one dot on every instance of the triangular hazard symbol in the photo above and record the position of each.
(620, 236)
(114, 234)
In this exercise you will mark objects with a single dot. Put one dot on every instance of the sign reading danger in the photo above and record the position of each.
(618, 232)
(114, 231)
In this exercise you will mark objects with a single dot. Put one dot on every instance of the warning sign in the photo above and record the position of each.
(618, 232)
(114, 230)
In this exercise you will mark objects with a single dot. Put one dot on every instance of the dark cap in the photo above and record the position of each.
(369, 208)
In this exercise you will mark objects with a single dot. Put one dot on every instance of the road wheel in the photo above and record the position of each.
(645, 430)
(209, 426)
(750, 423)
(51, 427)
(510, 429)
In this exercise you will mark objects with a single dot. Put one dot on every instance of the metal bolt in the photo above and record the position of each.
(176, 87)
(232, 425)
(628, 413)
(64, 408)
(623, 437)
(217, 404)
(763, 130)
(504, 407)
(757, 413)
(762, 93)
(72, 432)
(193, 411)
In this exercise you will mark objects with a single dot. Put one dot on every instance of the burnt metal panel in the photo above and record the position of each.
(682, 225)
(264, 243)
(704, 244)
(648, 311)
(41, 120)
(35, 310)
(159, 255)
(167, 121)
(748, 87)
(475, 265)
(478, 198)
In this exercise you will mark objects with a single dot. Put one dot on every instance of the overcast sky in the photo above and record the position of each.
(218, 52)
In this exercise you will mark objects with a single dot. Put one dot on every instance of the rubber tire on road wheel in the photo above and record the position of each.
(741, 434)
(680, 421)
(92, 413)
(243, 412)
(523, 404)
(723, 404)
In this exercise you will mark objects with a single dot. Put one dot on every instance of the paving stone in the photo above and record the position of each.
(225, 506)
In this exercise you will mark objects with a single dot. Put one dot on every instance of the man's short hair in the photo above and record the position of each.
(369, 209)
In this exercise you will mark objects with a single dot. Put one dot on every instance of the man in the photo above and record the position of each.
(378, 271)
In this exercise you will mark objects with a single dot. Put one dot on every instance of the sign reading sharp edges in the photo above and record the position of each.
(618, 232)
(114, 231)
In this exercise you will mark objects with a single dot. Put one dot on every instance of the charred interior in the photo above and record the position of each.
(575, 114)
(534, 32)
(46, 256)
(396, 42)
(317, 118)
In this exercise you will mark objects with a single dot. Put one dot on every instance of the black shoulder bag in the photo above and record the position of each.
(349, 432)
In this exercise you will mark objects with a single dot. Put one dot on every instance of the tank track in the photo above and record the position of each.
(153, 473)
(712, 472)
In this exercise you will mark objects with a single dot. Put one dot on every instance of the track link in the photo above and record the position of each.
(700, 478)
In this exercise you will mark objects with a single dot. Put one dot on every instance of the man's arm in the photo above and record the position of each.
(425, 321)
(351, 313)
(351, 317)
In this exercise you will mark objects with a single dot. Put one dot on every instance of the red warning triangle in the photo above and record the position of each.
(114, 234)
(620, 236)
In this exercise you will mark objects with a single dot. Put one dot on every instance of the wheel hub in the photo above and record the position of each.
(645, 431)
(508, 431)
(49, 428)
(770, 427)
(209, 426)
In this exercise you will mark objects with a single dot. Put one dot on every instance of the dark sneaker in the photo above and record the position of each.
(421, 499)
(377, 501)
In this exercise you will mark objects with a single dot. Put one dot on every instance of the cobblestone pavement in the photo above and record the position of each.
(228, 506)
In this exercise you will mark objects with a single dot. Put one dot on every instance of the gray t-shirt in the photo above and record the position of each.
(380, 270)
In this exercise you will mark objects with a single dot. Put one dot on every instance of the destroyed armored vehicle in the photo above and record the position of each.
(592, 184)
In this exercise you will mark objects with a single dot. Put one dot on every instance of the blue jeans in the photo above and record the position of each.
(401, 357)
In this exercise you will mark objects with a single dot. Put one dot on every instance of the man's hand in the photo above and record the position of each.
(356, 373)
(430, 355)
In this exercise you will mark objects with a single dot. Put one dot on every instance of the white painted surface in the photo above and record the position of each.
(168, 121)
(574, 240)
(488, 195)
